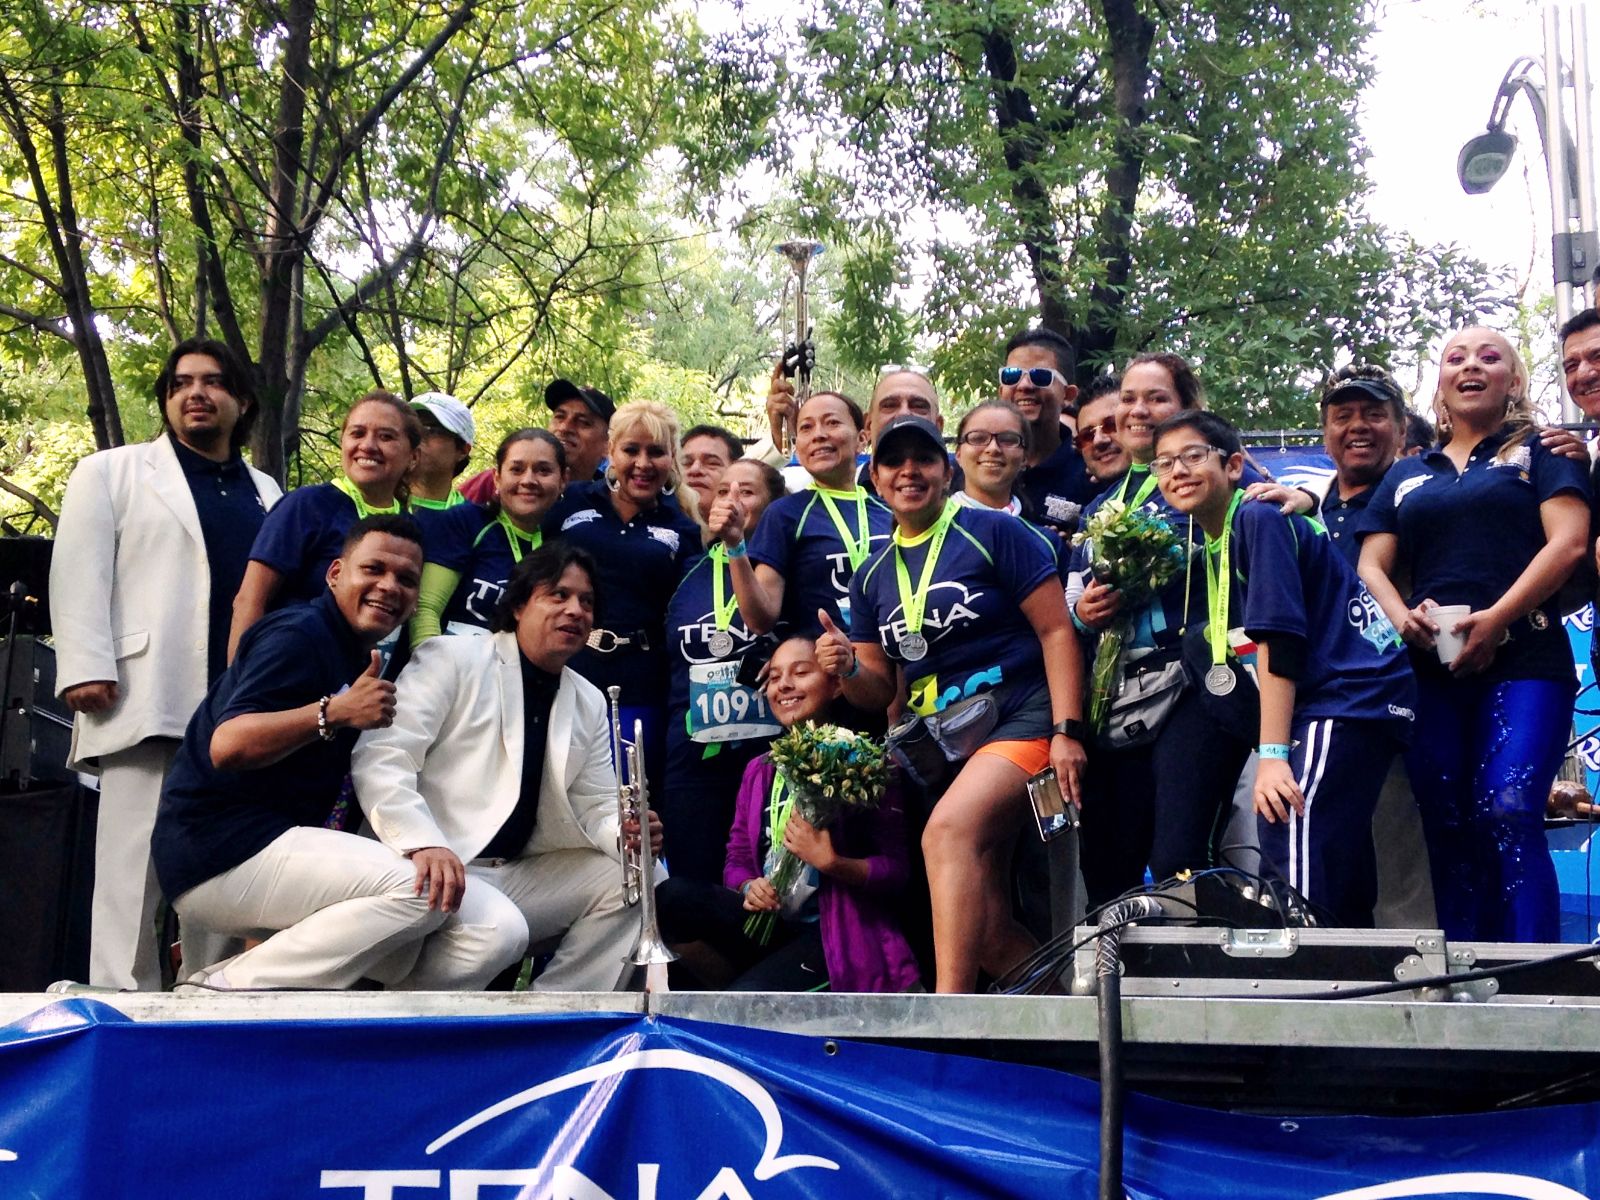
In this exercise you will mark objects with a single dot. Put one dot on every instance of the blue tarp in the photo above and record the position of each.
(607, 1107)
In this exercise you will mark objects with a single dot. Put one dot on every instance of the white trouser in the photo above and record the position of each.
(578, 895)
(339, 907)
(122, 931)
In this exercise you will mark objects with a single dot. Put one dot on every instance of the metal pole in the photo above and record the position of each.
(1555, 157)
(1585, 147)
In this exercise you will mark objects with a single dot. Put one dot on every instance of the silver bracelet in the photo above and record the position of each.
(324, 730)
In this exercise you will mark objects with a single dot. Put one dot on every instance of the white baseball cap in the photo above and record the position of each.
(449, 412)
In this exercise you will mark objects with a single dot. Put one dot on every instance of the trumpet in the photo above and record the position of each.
(800, 353)
(638, 864)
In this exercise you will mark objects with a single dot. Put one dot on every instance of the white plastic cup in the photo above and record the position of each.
(1447, 643)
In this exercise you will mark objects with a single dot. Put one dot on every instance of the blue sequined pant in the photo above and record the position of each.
(1482, 759)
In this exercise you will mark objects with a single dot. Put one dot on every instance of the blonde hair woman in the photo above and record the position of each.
(1491, 522)
(639, 523)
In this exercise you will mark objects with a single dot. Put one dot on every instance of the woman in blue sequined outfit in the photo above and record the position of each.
(1493, 522)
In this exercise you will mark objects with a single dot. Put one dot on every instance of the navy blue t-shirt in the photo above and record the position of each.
(978, 639)
(1161, 622)
(703, 685)
(301, 537)
(212, 820)
(640, 563)
(1290, 580)
(1465, 539)
(798, 539)
(470, 541)
(230, 512)
(1057, 489)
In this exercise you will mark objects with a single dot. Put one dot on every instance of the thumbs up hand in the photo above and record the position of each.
(835, 654)
(368, 703)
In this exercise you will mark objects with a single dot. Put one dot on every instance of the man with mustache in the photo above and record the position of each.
(151, 547)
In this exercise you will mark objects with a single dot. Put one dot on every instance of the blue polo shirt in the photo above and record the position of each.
(1291, 582)
(1465, 538)
(230, 513)
(211, 820)
(978, 638)
(640, 563)
(301, 537)
(470, 541)
(1057, 490)
(798, 539)
(1343, 520)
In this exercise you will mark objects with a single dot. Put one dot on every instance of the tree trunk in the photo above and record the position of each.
(1130, 34)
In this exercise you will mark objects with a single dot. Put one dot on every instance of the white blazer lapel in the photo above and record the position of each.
(167, 481)
(508, 681)
(556, 753)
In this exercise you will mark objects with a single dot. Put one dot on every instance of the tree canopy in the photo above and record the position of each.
(477, 195)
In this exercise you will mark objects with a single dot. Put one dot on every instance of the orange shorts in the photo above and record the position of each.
(1031, 754)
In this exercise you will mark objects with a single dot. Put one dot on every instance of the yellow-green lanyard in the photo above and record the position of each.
(723, 605)
(858, 546)
(1217, 595)
(780, 803)
(363, 509)
(912, 604)
(515, 537)
(1145, 488)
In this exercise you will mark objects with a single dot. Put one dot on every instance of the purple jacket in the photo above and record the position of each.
(862, 946)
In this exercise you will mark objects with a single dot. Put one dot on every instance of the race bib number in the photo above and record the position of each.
(721, 709)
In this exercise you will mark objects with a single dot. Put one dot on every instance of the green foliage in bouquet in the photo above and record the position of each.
(1135, 551)
(828, 770)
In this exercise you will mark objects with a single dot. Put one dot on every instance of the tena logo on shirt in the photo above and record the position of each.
(579, 517)
(1519, 460)
(950, 606)
(1408, 486)
(667, 537)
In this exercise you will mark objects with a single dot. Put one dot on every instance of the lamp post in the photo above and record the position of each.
(1574, 247)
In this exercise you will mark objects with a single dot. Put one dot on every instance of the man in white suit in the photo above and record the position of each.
(151, 546)
(501, 753)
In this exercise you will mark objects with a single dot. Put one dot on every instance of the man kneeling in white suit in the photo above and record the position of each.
(501, 753)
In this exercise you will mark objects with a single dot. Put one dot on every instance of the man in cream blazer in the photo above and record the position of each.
(149, 552)
(454, 770)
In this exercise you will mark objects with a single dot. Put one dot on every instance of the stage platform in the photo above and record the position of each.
(1470, 1048)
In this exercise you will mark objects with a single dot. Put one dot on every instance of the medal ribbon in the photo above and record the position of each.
(1217, 594)
(780, 803)
(723, 606)
(856, 547)
(912, 603)
(516, 538)
(363, 509)
(1145, 488)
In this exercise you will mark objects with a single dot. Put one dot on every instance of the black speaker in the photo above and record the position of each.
(46, 884)
(35, 727)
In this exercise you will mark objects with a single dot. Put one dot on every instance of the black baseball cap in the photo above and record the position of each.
(1372, 383)
(909, 425)
(562, 390)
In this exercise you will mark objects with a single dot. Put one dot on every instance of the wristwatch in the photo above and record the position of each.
(1072, 728)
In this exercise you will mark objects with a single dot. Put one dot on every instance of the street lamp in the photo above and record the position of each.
(1575, 250)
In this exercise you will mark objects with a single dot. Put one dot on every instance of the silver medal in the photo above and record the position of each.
(1220, 680)
(914, 647)
(721, 643)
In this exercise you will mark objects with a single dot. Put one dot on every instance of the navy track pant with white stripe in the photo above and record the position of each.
(1326, 853)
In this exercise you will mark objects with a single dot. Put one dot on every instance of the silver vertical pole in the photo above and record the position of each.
(1584, 144)
(1561, 199)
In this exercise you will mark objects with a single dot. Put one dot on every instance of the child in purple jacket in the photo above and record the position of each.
(844, 936)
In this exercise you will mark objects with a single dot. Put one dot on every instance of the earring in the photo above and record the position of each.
(612, 482)
(670, 486)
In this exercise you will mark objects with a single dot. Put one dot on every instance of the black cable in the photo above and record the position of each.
(1385, 989)
(1108, 990)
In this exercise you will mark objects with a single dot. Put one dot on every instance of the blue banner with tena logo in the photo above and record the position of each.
(627, 1108)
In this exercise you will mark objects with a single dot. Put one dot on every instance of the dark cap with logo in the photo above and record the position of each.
(1362, 383)
(909, 427)
(597, 402)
